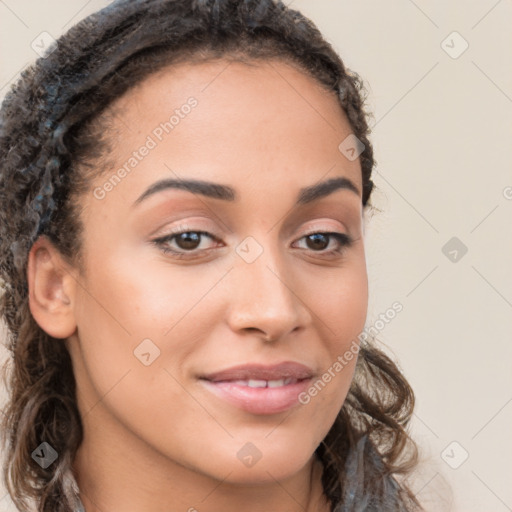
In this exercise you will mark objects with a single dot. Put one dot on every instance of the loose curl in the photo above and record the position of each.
(52, 129)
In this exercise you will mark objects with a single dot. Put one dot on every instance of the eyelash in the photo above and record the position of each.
(344, 242)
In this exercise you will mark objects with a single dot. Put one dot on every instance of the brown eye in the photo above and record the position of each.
(317, 241)
(188, 241)
(320, 243)
(186, 244)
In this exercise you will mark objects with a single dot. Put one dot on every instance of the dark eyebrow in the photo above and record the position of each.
(204, 188)
(227, 193)
(325, 188)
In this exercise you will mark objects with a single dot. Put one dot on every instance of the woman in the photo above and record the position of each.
(183, 191)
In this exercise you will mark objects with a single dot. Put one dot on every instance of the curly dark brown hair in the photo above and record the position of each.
(50, 133)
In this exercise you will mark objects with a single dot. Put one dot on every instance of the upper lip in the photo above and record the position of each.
(285, 370)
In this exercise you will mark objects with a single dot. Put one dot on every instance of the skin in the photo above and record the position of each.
(154, 438)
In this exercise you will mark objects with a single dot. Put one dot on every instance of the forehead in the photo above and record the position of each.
(227, 120)
(215, 76)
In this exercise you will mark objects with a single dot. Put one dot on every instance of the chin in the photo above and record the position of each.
(259, 462)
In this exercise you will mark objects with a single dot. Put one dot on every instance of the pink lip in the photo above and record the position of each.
(264, 400)
(288, 369)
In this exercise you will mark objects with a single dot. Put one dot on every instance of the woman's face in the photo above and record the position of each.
(194, 350)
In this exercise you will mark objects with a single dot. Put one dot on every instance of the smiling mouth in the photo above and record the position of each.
(261, 372)
(254, 383)
(259, 389)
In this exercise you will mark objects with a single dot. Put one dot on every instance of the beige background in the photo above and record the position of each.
(442, 136)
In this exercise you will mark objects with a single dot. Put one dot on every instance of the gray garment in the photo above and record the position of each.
(80, 507)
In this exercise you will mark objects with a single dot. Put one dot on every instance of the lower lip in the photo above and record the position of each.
(258, 400)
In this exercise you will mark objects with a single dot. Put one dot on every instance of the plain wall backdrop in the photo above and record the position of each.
(439, 76)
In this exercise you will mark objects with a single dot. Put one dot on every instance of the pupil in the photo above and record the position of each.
(189, 240)
(319, 241)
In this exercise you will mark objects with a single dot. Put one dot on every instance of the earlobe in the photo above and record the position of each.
(51, 289)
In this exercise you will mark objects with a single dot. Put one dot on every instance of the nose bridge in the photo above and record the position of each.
(262, 294)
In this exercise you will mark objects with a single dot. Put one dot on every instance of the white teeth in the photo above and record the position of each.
(254, 383)
(257, 383)
(275, 383)
(239, 382)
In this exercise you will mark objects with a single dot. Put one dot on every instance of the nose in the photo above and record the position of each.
(266, 299)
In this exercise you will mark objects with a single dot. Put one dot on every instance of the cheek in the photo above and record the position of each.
(340, 301)
(127, 309)
(341, 306)
(137, 330)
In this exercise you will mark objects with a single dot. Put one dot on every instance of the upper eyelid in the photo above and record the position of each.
(193, 226)
(186, 229)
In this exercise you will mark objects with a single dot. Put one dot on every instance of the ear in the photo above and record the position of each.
(51, 289)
